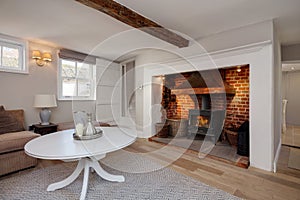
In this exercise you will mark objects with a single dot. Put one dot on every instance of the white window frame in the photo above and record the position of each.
(22, 47)
(92, 97)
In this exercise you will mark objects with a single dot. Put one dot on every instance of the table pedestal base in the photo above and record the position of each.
(85, 164)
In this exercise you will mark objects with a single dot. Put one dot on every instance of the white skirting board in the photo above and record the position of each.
(276, 157)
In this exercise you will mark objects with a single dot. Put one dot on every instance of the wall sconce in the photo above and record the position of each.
(41, 59)
(238, 69)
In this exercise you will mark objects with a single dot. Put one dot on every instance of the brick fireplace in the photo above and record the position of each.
(178, 105)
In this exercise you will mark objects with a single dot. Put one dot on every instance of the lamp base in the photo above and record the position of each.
(45, 116)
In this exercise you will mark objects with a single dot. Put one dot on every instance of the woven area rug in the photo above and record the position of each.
(294, 159)
(160, 184)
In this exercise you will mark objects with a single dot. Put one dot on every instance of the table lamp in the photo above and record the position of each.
(44, 101)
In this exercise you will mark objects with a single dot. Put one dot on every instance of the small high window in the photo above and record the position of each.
(12, 55)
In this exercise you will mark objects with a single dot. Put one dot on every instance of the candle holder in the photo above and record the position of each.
(84, 128)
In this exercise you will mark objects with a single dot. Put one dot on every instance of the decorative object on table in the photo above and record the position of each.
(80, 121)
(44, 101)
(84, 128)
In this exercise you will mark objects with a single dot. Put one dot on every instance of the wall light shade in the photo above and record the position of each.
(44, 101)
(36, 54)
(47, 57)
(41, 59)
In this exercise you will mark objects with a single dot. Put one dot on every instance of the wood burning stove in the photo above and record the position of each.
(206, 122)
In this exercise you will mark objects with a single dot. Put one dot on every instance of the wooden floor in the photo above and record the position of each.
(248, 183)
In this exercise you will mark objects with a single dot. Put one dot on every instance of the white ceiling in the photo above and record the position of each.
(69, 24)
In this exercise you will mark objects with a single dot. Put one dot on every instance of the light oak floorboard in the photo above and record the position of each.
(248, 183)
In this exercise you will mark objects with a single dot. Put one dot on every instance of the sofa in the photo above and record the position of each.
(13, 138)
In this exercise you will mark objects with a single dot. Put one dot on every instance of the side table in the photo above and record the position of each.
(44, 129)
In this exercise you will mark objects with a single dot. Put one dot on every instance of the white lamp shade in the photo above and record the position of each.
(44, 101)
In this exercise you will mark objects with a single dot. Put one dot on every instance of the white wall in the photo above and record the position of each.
(290, 52)
(18, 90)
(283, 84)
(108, 105)
(277, 70)
(291, 83)
(249, 34)
(233, 49)
(139, 102)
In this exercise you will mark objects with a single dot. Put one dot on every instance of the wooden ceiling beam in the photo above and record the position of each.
(136, 20)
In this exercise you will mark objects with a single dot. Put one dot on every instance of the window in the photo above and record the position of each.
(76, 80)
(12, 55)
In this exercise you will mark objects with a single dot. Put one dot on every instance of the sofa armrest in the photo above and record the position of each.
(15, 140)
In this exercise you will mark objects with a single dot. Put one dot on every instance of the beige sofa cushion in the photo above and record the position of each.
(15, 141)
(11, 121)
(19, 115)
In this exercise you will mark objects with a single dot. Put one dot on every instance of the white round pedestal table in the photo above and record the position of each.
(62, 146)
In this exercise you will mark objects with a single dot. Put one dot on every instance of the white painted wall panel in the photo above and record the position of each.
(108, 95)
(292, 83)
(108, 92)
(107, 113)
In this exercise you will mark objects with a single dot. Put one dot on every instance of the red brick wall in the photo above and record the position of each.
(177, 106)
(184, 104)
(237, 105)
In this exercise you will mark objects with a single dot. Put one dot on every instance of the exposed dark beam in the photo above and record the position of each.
(136, 20)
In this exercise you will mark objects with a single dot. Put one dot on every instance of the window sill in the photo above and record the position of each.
(75, 99)
(26, 72)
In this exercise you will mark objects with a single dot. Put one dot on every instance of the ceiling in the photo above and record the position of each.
(69, 24)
